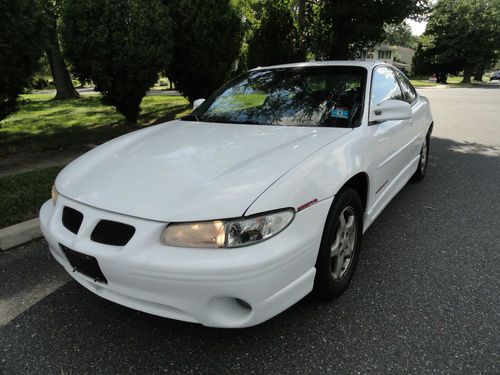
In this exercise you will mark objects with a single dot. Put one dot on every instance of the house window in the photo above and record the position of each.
(384, 55)
(364, 54)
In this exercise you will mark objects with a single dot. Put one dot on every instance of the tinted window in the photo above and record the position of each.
(309, 96)
(384, 86)
(408, 90)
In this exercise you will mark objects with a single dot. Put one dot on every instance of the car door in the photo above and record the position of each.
(390, 142)
(418, 125)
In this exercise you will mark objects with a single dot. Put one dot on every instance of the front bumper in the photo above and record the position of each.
(197, 285)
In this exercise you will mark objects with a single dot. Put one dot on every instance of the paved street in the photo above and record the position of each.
(425, 297)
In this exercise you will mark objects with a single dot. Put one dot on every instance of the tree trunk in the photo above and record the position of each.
(60, 74)
(301, 16)
(478, 75)
(442, 77)
(301, 21)
(467, 75)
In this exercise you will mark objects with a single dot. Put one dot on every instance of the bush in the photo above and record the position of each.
(120, 45)
(208, 37)
(276, 41)
(21, 42)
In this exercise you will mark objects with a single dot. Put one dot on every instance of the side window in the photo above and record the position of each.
(384, 86)
(408, 90)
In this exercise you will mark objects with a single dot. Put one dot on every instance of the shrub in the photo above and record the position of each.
(120, 45)
(208, 37)
(21, 46)
(276, 41)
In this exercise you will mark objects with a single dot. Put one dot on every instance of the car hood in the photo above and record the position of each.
(181, 170)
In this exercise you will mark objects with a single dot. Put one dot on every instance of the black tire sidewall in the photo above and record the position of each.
(427, 152)
(419, 174)
(324, 284)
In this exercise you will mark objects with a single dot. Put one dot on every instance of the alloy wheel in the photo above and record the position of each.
(343, 246)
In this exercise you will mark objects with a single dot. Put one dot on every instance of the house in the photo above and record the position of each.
(398, 56)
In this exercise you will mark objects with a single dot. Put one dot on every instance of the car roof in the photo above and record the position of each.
(360, 63)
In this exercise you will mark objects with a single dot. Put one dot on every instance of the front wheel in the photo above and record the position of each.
(338, 253)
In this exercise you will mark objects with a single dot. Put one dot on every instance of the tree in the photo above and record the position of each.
(208, 39)
(425, 63)
(342, 28)
(41, 76)
(277, 39)
(400, 35)
(301, 6)
(21, 41)
(463, 35)
(120, 45)
(60, 74)
(251, 12)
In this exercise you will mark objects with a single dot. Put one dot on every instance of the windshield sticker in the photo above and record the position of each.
(340, 112)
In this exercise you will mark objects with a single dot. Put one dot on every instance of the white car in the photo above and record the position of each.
(232, 214)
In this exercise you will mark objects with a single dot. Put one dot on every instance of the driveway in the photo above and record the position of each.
(425, 297)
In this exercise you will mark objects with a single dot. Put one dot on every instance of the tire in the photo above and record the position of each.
(340, 244)
(424, 159)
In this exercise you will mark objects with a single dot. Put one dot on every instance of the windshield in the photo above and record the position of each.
(311, 96)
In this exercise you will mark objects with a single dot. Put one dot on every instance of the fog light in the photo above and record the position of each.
(244, 304)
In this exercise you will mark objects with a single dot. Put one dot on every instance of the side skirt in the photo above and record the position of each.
(391, 191)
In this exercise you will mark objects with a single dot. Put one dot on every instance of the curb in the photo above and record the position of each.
(19, 234)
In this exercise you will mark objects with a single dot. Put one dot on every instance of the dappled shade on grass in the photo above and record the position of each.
(43, 124)
(21, 195)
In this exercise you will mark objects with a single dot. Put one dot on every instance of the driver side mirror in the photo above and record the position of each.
(197, 103)
(390, 110)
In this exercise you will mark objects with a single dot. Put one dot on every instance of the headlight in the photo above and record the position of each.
(227, 233)
(55, 194)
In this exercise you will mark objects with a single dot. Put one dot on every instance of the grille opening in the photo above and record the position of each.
(112, 233)
(72, 219)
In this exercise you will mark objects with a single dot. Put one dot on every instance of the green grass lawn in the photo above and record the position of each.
(44, 124)
(452, 82)
(457, 81)
(454, 79)
(21, 195)
(422, 83)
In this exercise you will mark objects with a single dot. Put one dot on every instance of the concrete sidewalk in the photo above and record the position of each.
(31, 162)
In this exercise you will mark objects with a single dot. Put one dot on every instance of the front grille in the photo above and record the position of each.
(112, 233)
(72, 219)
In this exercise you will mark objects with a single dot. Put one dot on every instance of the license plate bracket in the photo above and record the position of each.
(84, 264)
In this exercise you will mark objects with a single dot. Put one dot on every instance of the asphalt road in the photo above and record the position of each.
(425, 298)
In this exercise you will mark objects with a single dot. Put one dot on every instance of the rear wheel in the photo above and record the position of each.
(338, 254)
(422, 163)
